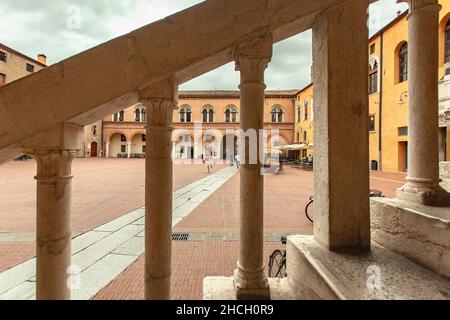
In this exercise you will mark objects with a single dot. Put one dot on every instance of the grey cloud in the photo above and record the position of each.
(41, 27)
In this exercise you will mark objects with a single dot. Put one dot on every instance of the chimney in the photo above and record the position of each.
(42, 58)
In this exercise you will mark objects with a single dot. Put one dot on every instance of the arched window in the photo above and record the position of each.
(447, 42)
(140, 114)
(306, 106)
(277, 114)
(403, 63)
(208, 114)
(185, 114)
(231, 114)
(373, 77)
(299, 113)
(137, 113)
(119, 117)
(211, 115)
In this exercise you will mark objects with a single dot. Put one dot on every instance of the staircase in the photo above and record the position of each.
(102, 80)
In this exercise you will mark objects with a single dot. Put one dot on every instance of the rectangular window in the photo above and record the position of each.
(143, 149)
(372, 123)
(123, 138)
(403, 131)
(305, 136)
(2, 79)
(123, 149)
(2, 56)
(372, 49)
(373, 82)
(144, 138)
(30, 67)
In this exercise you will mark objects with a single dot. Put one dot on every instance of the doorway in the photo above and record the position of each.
(94, 150)
(403, 156)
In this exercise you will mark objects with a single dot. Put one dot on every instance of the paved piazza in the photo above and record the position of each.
(108, 225)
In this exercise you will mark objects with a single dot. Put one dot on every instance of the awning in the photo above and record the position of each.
(293, 147)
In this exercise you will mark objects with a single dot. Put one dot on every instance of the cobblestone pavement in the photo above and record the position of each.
(103, 190)
(213, 227)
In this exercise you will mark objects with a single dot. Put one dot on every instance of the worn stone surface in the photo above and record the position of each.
(222, 288)
(418, 232)
(341, 97)
(252, 60)
(316, 273)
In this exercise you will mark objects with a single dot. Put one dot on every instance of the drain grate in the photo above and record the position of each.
(180, 236)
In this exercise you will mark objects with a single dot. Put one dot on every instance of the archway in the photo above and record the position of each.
(138, 143)
(118, 146)
(229, 147)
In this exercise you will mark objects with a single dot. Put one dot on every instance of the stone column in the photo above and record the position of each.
(54, 151)
(341, 139)
(129, 149)
(250, 278)
(422, 186)
(108, 145)
(159, 101)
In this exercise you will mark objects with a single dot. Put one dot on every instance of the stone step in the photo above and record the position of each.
(316, 273)
(420, 233)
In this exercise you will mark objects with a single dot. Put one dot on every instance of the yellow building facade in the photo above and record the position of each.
(304, 118)
(388, 94)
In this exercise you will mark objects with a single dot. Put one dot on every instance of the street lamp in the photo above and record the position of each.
(403, 94)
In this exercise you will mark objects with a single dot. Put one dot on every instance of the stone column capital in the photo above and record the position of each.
(415, 5)
(253, 58)
(160, 100)
(54, 165)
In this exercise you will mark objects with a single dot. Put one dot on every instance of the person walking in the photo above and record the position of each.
(207, 162)
(237, 158)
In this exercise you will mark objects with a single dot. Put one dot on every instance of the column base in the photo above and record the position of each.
(423, 192)
(251, 285)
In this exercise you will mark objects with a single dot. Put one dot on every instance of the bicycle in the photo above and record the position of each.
(277, 262)
(372, 194)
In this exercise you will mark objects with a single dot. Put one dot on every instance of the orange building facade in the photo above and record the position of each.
(205, 123)
(388, 95)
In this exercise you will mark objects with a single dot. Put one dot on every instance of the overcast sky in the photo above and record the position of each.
(62, 28)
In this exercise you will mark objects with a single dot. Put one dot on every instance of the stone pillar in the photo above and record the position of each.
(341, 138)
(422, 182)
(250, 278)
(54, 151)
(159, 101)
(129, 149)
(108, 145)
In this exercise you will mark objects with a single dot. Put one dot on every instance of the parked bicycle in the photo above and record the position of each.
(277, 262)
(309, 211)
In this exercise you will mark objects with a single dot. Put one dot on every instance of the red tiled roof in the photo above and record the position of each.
(231, 93)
